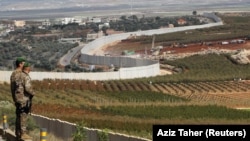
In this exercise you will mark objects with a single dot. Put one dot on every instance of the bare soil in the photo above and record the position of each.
(119, 47)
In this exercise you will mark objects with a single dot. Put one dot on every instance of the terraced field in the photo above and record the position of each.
(229, 93)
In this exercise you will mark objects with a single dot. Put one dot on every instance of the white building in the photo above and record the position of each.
(103, 25)
(93, 36)
(2, 26)
(77, 20)
(19, 23)
(46, 23)
(95, 20)
(70, 40)
(67, 20)
(72, 20)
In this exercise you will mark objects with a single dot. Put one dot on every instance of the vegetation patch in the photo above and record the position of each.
(211, 67)
(178, 112)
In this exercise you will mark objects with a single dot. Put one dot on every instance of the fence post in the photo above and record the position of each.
(5, 124)
(43, 134)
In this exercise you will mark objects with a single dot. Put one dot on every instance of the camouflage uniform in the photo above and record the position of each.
(21, 90)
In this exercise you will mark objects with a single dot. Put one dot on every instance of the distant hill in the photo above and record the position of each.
(52, 4)
(62, 8)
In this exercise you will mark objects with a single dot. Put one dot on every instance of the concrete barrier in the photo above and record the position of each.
(7, 134)
(65, 130)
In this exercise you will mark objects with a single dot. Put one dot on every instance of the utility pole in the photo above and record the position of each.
(131, 7)
(153, 42)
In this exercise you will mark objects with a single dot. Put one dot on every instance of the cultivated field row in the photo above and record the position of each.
(237, 92)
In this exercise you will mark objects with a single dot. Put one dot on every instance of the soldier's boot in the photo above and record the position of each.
(25, 136)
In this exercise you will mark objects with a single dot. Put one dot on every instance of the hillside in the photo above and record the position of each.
(231, 38)
(207, 89)
(132, 106)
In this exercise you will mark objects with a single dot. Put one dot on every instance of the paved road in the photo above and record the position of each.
(65, 60)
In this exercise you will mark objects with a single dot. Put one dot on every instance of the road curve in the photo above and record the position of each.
(66, 59)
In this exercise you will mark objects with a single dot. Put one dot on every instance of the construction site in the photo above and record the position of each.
(238, 48)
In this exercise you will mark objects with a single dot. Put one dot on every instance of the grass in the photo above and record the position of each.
(198, 68)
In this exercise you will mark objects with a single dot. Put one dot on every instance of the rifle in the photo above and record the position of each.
(29, 105)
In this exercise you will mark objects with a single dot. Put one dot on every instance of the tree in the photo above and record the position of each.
(123, 18)
(195, 12)
(134, 18)
(104, 29)
(157, 18)
(248, 37)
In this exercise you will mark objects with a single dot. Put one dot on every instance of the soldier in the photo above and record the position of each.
(17, 90)
(18, 70)
(25, 108)
(28, 89)
(21, 90)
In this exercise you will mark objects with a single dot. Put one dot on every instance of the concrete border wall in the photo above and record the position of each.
(122, 73)
(105, 40)
(147, 68)
(65, 130)
(90, 53)
(7, 135)
(117, 61)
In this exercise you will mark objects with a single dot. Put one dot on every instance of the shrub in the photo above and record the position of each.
(103, 135)
(80, 133)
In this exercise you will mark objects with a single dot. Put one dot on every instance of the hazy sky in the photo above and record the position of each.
(43, 8)
(45, 4)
